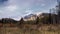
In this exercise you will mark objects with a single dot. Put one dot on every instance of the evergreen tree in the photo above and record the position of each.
(21, 21)
(37, 20)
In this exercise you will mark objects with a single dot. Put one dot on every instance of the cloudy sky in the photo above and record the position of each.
(19, 8)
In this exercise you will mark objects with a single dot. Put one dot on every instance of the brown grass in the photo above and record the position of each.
(30, 29)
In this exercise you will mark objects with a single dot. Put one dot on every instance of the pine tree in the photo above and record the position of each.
(21, 21)
(37, 20)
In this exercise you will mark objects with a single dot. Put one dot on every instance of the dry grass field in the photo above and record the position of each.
(30, 29)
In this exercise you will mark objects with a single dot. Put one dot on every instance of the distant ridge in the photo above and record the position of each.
(7, 20)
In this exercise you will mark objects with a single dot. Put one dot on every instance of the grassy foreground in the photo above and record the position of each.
(45, 29)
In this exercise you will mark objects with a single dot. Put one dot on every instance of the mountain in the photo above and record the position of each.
(30, 17)
(45, 17)
(34, 16)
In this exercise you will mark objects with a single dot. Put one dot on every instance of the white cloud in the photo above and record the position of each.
(28, 12)
(43, 4)
(11, 8)
(0, 11)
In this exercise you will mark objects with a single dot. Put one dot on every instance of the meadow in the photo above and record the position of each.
(30, 29)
